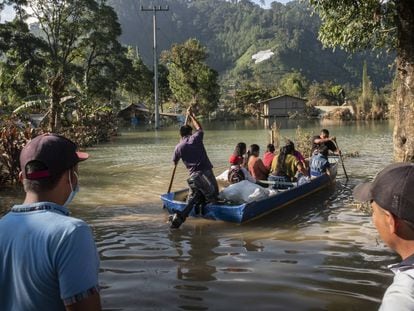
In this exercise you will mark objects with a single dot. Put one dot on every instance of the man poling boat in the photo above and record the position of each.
(260, 202)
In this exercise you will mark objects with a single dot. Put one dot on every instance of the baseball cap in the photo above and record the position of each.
(392, 189)
(55, 152)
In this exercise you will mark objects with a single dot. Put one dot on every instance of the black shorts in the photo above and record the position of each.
(206, 183)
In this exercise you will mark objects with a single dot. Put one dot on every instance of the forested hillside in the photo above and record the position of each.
(233, 31)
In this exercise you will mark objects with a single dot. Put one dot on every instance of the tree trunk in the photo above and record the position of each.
(404, 106)
(56, 85)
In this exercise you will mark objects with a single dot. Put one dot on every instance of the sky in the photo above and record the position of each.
(7, 13)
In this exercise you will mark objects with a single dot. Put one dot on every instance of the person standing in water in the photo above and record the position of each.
(202, 182)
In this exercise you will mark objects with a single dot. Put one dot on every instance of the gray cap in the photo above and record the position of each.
(392, 189)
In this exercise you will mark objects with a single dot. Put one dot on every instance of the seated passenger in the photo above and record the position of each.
(285, 166)
(298, 155)
(319, 163)
(268, 156)
(238, 155)
(255, 165)
(237, 171)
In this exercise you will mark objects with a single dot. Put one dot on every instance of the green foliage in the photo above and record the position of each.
(357, 25)
(233, 31)
(328, 93)
(20, 69)
(13, 137)
(137, 83)
(73, 49)
(93, 127)
(294, 84)
(101, 60)
(247, 99)
(303, 142)
(191, 80)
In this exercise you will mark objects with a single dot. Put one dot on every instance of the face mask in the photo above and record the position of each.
(74, 190)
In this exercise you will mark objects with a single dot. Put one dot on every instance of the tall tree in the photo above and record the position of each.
(137, 80)
(361, 24)
(20, 70)
(63, 26)
(78, 43)
(102, 60)
(191, 80)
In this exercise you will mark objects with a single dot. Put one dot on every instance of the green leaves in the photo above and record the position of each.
(356, 24)
(191, 80)
(73, 49)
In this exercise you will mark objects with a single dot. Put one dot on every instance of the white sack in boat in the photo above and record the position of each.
(223, 176)
(243, 192)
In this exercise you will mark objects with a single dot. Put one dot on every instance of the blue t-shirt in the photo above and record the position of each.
(47, 259)
(191, 150)
(319, 164)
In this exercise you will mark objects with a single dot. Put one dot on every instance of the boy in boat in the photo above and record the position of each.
(323, 138)
(48, 259)
(392, 201)
(319, 163)
(202, 182)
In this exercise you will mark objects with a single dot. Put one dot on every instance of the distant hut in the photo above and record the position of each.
(135, 112)
(283, 106)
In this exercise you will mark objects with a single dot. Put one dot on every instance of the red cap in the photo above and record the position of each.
(55, 152)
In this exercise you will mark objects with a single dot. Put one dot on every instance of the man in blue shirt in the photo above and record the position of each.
(202, 182)
(48, 260)
(319, 163)
(392, 200)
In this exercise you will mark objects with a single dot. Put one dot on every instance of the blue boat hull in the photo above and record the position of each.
(241, 213)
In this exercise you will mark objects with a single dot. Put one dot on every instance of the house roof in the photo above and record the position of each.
(281, 96)
(135, 106)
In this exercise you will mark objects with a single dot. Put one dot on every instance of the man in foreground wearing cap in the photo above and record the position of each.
(48, 260)
(392, 200)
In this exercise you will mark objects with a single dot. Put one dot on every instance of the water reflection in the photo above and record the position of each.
(195, 252)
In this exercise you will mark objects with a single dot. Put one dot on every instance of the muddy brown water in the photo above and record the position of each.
(321, 253)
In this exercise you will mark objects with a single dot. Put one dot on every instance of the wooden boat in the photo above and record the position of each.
(240, 213)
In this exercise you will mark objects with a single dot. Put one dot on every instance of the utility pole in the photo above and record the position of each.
(155, 9)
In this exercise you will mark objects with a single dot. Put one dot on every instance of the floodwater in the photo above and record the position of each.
(322, 253)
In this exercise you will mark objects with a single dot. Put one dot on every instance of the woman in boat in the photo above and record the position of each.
(255, 165)
(269, 155)
(298, 155)
(285, 166)
(237, 170)
(319, 164)
(238, 155)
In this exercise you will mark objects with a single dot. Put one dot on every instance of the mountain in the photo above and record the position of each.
(235, 30)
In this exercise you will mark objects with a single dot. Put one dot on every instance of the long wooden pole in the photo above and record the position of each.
(172, 178)
(342, 160)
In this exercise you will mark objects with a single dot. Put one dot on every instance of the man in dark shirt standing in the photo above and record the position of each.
(202, 182)
(324, 139)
